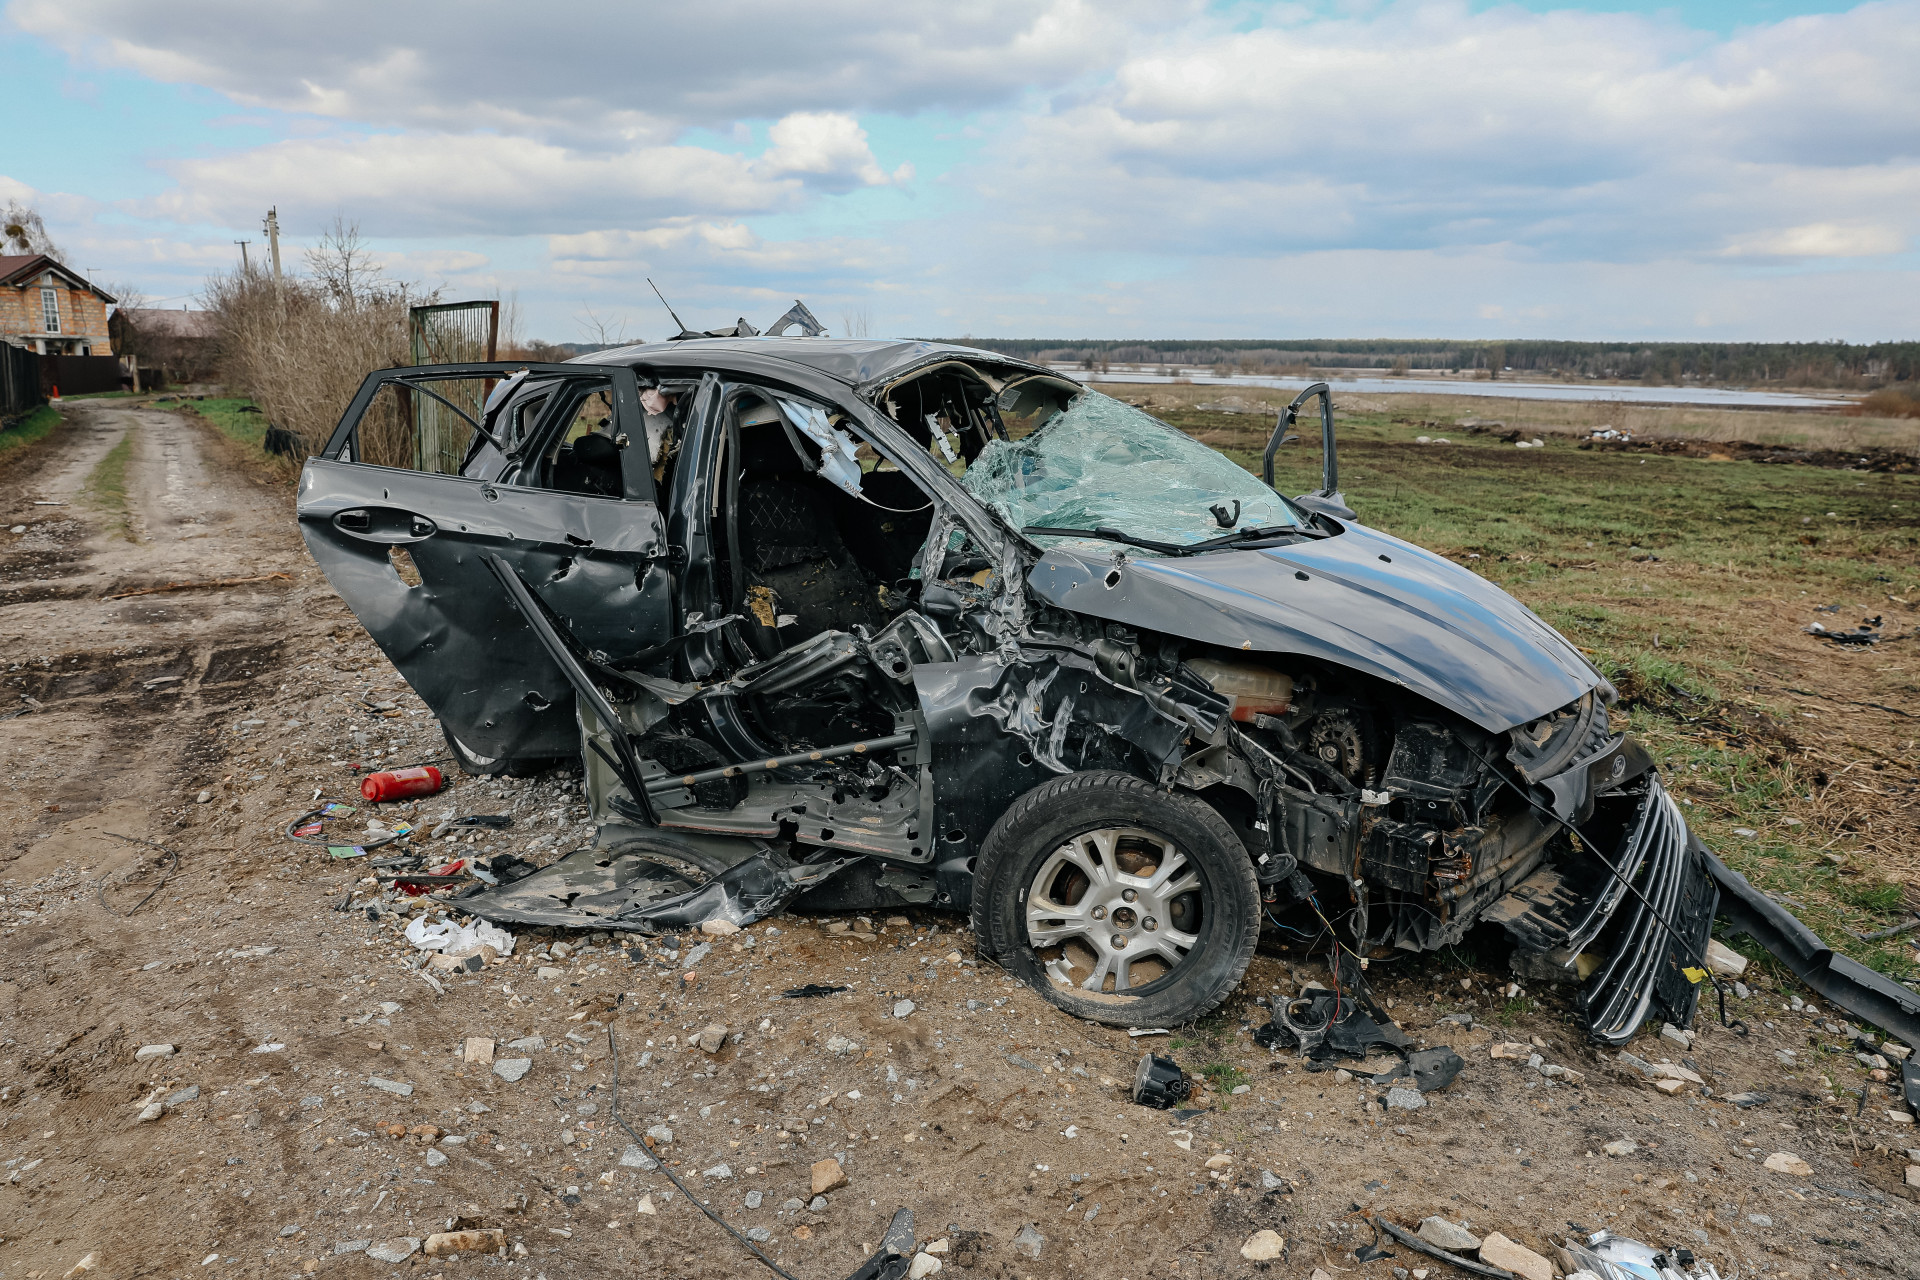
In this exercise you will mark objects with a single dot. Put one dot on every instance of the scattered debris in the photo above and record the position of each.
(1613, 1257)
(1160, 1083)
(1263, 1246)
(1498, 1251)
(471, 1240)
(644, 884)
(402, 784)
(1868, 632)
(456, 941)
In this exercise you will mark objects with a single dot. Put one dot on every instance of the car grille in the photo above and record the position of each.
(1643, 969)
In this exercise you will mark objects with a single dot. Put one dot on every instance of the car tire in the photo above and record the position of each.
(1116, 833)
(475, 765)
(471, 763)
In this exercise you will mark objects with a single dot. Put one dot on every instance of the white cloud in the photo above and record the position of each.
(602, 67)
(829, 149)
(1426, 124)
(1426, 166)
(1821, 240)
(423, 184)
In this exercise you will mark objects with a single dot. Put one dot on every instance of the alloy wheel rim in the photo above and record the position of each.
(1110, 899)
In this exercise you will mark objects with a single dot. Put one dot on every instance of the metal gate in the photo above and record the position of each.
(449, 333)
(19, 381)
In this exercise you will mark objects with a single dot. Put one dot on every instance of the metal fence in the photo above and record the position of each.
(79, 375)
(19, 380)
(450, 333)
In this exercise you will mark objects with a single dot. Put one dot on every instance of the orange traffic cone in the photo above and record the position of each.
(55, 397)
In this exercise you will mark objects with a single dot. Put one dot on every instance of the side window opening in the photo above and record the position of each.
(423, 424)
(584, 453)
(949, 411)
(806, 554)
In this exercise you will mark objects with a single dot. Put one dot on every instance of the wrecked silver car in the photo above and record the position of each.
(846, 624)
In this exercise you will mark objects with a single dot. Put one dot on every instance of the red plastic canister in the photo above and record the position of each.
(400, 784)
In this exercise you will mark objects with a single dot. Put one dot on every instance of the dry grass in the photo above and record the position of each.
(1901, 401)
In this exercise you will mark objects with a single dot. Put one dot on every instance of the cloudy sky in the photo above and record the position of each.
(1436, 168)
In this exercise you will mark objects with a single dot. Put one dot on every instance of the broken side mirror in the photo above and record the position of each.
(1328, 500)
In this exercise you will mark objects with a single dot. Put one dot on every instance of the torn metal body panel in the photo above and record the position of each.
(1869, 996)
(649, 882)
(865, 624)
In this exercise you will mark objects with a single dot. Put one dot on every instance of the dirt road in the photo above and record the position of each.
(321, 1110)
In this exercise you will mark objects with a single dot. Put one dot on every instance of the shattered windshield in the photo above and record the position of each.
(1102, 464)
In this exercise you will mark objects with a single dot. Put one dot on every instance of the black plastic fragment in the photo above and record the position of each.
(1275, 1035)
(883, 1266)
(1431, 1069)
(1334, 1027)
(509, 867)
(1159, 1083)
(899, 1236)
(811, 991)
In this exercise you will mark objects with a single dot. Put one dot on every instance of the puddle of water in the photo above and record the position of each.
(1722, 397)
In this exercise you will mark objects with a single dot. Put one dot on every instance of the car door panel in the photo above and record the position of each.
(598, 562)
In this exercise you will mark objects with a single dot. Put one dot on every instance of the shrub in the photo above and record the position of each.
(299, 347)
(1901, 400)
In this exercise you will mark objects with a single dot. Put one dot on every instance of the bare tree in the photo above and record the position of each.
(345, 266)
(22, 231)
(300, 346)
(857, 323)
(603, 331)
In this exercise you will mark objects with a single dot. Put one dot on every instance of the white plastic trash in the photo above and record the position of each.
(458, 940)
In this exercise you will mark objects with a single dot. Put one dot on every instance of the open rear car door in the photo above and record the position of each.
(432, 470)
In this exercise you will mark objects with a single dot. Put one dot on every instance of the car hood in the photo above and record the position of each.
(1358, 599)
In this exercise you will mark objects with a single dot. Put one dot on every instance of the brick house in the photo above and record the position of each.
(50, 310)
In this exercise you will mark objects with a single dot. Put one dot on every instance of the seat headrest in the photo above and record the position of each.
(596, 450)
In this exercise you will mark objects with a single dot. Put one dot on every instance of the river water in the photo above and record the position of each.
(1717, 397)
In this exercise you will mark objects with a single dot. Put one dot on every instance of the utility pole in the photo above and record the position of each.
(273, 238)
(244, 268)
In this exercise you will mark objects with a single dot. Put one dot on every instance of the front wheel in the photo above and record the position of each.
(1118, 901)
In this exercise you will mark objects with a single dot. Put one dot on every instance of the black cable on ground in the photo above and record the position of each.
(613, 1108)
(100, 889)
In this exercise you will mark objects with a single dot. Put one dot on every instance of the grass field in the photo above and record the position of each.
(1411, 415)
(236, 418)
(1690, 582)
(107, 487)
(37, 425)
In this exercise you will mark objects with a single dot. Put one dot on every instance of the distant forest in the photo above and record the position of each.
(1798, 364)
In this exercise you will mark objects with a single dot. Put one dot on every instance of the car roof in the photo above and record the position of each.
(854, 361)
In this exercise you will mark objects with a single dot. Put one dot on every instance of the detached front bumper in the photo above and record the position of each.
(1629, 947)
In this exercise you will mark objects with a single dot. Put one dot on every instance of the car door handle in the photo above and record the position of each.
(389, 525)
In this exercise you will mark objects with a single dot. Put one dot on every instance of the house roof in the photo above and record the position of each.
(22, 268)
(159, 322)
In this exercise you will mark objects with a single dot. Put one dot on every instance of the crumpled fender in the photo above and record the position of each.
(1359, 599)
